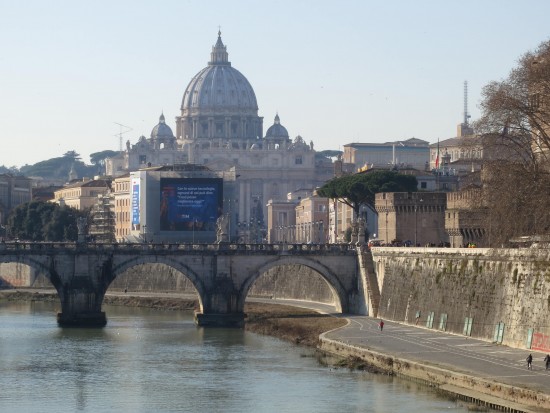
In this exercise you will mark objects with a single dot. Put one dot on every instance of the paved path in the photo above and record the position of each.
(453, 352)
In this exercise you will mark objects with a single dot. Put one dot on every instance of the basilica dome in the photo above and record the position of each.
(219, 86)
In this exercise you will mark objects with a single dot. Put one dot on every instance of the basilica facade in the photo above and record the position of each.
(219, 128)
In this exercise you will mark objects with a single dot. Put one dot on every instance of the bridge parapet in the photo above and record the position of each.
(40, 248)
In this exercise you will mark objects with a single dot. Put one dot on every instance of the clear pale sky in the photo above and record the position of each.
(336, 71)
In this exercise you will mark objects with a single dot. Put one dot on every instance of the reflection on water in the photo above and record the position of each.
(146, 361)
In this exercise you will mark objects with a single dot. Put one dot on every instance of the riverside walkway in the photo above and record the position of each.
(485, 365)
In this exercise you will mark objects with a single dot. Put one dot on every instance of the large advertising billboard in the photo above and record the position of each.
(190, 204)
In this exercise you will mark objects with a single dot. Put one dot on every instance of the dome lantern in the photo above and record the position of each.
(219, 55)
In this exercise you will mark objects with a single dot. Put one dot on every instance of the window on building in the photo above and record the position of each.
(423, 185)
(298, 160)
(142, 159)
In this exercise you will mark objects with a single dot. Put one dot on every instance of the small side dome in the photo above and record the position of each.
(162, 130)
(277, 131)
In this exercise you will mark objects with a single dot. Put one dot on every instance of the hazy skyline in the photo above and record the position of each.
(336, 72)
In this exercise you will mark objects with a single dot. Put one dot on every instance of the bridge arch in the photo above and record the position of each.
(179, 266)
(338, 290)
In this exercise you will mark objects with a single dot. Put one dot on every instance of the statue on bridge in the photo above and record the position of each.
(81, 224)
(222, 224)
(361, 227)
(358, 228)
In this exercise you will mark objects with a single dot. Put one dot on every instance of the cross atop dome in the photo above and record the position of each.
(219, 55)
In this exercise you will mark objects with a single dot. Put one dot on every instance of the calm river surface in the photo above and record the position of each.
(158, 361)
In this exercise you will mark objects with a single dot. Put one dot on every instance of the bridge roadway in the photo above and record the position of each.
(221, 273)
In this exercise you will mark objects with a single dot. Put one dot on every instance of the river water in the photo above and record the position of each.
(159, 361)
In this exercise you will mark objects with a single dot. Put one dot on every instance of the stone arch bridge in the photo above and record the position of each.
(221, 273)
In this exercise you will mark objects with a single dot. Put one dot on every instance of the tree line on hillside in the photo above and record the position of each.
(59, 168)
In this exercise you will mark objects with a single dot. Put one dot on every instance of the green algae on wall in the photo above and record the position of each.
(492, 288)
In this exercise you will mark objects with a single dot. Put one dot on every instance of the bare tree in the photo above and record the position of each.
(515, 129)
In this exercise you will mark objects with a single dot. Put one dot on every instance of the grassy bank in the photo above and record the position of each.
(297, 325)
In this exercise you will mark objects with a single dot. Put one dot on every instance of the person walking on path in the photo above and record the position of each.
(547, 361)
(381, 325)
(529, 362)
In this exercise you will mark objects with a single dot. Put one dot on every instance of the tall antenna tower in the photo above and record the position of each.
(120, 133)
(466, 114)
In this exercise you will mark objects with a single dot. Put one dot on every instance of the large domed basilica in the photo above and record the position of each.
(219, 128)
(219, 102)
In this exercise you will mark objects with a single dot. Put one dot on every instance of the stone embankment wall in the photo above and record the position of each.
(17, 275)
(293, 282)
(153, 277)
(488, 287)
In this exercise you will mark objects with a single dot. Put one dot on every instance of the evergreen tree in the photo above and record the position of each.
(44, 221)
(360, 189)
